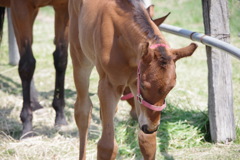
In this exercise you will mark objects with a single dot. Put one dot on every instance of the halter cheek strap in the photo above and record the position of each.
(142, 101)
(139, 96)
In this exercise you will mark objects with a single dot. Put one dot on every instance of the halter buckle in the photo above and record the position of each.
(139, 98)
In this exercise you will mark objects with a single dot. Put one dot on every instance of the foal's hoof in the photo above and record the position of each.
(36, 106)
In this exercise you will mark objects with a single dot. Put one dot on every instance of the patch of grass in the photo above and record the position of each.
(237, 141)
(182, 128)
(234, 16)
(184, 13)
(126, 132)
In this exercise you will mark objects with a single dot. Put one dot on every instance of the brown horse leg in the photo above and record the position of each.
(83, 105)
(23, 22)
(60, 61)
(26, 70)
(108, 96)
(81, 71)
(147, 143)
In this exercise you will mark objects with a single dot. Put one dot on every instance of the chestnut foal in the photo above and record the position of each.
(127, 48)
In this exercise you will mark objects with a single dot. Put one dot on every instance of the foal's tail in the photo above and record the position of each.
(2, 13)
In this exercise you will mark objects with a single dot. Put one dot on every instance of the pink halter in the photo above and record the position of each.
(142, 101)
(139, 96)
(127, 96)
(153, 46)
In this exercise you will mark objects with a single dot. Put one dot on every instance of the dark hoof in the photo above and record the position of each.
(58, 105)
(60, 122)
(36, 106)
(26, 135)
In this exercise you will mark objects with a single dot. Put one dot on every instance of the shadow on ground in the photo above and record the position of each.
(8, 125)
(8, 85)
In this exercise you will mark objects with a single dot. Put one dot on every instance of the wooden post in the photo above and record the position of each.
(220, 92)
(12, 44)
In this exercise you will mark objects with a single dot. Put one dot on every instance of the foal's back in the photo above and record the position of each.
(97, 24)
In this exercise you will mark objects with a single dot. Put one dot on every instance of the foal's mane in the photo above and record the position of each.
(142, 18)
(142, 21)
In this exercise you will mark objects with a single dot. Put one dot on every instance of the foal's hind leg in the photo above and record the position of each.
(81, 70)
(60, 61)
(23, 22)
(83, 105)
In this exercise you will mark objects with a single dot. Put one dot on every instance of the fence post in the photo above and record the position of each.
(220, 93)
(12, 44)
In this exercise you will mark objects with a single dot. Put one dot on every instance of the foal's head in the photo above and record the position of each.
(156, 78)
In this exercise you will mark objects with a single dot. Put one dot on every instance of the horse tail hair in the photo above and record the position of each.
(2, 13)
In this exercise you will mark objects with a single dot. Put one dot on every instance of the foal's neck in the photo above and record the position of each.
(134, 37)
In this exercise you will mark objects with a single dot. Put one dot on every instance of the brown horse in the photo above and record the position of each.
(23, 15)
(127, 48)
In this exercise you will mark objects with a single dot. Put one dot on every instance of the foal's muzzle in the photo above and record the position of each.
(146, 131)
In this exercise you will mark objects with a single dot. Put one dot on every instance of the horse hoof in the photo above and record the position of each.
(60, 122)
(28, 134)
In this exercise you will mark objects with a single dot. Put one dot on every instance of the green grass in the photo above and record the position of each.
(184, 129)
(234, 17)
(182, 12)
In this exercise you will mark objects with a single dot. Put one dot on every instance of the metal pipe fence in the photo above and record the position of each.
(199, 37)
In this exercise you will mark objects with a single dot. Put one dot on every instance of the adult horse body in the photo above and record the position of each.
(23, 15)
(119, 38)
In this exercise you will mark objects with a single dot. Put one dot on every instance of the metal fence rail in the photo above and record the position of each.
(206, 40)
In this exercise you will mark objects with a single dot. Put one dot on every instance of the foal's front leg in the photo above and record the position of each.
(147, 144)
(60, 61)
(108, 96)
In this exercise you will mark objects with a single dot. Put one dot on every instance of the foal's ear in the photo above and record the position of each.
(160, 20)
(184, 52)
(150, 10)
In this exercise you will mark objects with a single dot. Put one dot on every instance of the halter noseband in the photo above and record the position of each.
(139, 96)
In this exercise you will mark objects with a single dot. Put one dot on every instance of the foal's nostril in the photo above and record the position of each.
(146, 131)
(145, 128)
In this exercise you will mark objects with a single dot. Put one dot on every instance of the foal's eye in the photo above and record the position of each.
(142, 86)
(160, 91)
